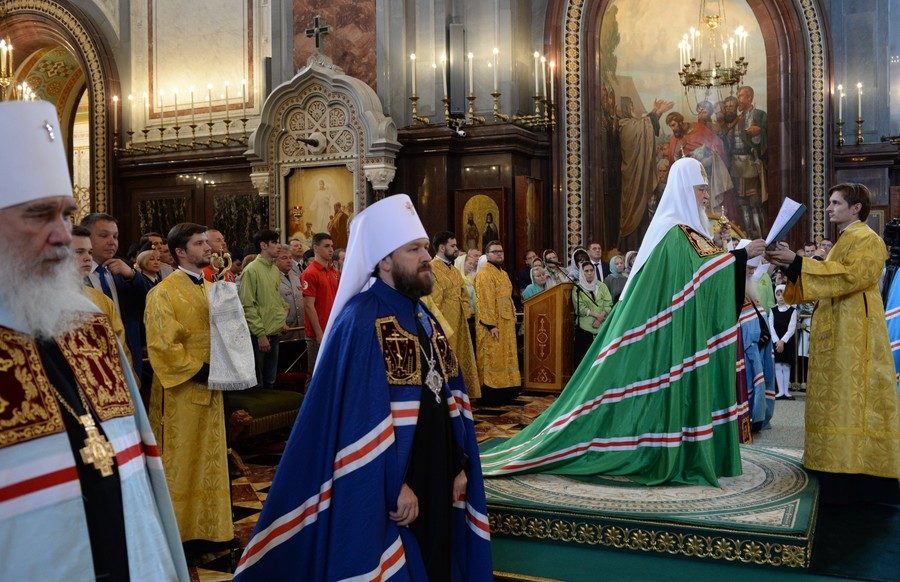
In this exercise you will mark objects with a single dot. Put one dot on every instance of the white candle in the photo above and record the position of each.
(537, 61)
(840, 102)
(412, 70)
(444, 72)
(243, 98)
(859, 100)
(496, 53)
(193, 122)
(543, 76)
(162, 108)
(175, 95)
(145, 109)
(115, 114)
(209, 101)
(731, 49)
(552, 69)
(471, 74)
(226, 99)
(130, 113)
(3, 57)
(693, 35)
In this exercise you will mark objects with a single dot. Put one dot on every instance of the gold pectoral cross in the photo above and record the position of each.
(97, 450)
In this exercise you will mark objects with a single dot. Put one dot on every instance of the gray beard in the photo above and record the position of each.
(42, 305)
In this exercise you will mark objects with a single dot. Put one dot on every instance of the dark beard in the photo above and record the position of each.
(411, 285)
(678, 132)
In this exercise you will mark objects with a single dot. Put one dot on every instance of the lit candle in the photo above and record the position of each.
(412, 71)
(145, 109)
(3, 57)
(496, 53)
(115, 114)
(243, 98)
(162, 108)
(543, 76)
(193, 122)
(687, 48)
(209, 101)
(471, 74)
(693, 34)
(552, 69)
(537, 61)
(840, 103)
(444, 72)
(175, 95)
(226, 99)
(859, 100)
(731, 49)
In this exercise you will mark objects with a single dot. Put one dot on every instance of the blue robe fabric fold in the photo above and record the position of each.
(892, 314)
(326, 516)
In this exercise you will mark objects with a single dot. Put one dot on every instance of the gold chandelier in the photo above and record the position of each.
(710, 56)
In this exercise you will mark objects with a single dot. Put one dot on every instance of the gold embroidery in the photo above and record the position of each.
(701, 244)
(449, 363)
(29, 407)
(93, 356)
(402, 359)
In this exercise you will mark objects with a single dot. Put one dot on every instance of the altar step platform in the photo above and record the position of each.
(550, 527)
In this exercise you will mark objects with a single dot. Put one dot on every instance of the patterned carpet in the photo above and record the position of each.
(262, 457)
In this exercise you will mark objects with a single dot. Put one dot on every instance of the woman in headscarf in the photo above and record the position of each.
(630, 256)
(579, 255)
(616, 279)
(654, 398)
(592, 303)
(539, 282)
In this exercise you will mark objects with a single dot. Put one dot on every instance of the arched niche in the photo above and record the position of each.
(798, 85)
(40, 30)
(311, 129)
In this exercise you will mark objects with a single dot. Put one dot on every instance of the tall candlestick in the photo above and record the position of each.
(412, 71)
(537, 63)
(226, 99)
(145, 108)
(444, 72)
(840, 103)
(130, 113)
(193, 122)
(496, 53)
(209, 101)
(859, 101)
(175, 95)
(543, 76)
(471, 74)
(162, 108)
(115, 114)
(552, 69)
(243, 98)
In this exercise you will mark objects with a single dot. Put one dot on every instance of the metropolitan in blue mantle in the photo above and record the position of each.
(386, 399)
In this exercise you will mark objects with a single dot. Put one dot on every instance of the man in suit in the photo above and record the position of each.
(117, 280)
(595, 252)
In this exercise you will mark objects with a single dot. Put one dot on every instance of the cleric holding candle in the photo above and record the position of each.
(852, 412)
(380, 475)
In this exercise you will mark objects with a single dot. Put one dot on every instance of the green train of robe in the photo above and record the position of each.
(654, 399)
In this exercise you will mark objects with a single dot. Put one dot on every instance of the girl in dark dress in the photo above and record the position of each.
(782, 325)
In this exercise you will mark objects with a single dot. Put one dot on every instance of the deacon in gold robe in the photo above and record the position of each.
(187, 417)
(451, 297)
(495, 335)
(852, 416)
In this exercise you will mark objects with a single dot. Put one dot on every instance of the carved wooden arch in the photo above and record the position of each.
(60, 21)
(798, 74)
(275, 150)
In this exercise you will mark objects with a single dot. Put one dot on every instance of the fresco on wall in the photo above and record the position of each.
(649, 121)
(351, 43)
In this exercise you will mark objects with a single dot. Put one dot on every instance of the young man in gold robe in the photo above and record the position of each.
(495, 335)
(187, 417)
(852, 412)
(452, 299)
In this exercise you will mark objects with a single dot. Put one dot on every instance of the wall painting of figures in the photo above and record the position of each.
(649, 120)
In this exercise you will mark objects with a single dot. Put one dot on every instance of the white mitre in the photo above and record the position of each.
(32, 157)
(375, 233)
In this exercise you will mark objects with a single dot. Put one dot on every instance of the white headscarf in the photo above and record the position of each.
(375, 233)
(678, 205)
(590, 287)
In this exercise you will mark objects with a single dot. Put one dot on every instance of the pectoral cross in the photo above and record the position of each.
(97, 450)
(319, 31)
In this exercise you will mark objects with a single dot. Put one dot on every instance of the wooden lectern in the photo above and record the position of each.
(549, 339)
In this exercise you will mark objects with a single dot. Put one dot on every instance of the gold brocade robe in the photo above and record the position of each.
(188, 418)
(498, 363)
(852, 416)
(452, 299)
(107, 306)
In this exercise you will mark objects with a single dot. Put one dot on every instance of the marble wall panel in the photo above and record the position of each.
(352, 40)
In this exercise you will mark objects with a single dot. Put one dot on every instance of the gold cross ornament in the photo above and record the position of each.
(97, 450)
